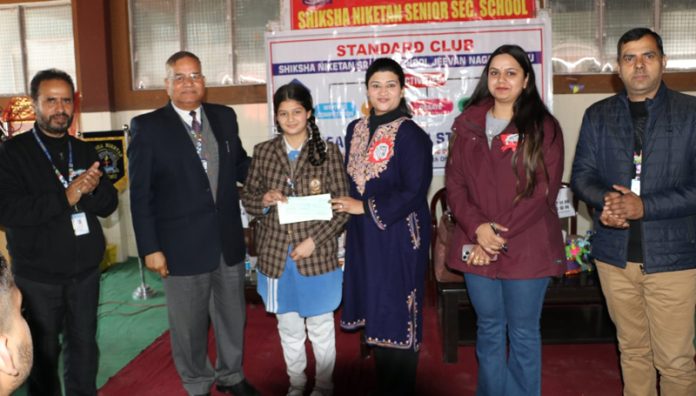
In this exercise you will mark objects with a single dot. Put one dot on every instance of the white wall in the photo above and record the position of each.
(253, 127)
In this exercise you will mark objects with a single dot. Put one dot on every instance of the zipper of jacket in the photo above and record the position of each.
(642, 176)
(668, 116)
(488, 151)
(651, 122)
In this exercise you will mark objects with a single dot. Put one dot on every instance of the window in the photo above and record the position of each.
(231, 49)
(585, 32)
(34, 37)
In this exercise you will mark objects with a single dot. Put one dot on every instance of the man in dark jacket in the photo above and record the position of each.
(185, 161)
(51, 192)
(635, 164)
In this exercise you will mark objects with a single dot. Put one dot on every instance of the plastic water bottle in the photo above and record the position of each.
(250, 269)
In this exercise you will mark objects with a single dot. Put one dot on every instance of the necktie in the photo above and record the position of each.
(195, 124)
(198, 136)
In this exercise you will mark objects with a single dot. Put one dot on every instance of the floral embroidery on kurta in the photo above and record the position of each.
(375, 214)
(414, 229)
(411, 326)
(368, 158)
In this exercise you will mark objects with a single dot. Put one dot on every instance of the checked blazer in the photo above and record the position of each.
(270, 169)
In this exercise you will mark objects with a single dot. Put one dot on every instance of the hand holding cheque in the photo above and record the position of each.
(297, 209)
(310, 207)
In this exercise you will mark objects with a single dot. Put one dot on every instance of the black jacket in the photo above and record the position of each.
(36, 214)
(171, 200)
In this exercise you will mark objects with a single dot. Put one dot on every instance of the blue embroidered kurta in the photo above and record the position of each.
(387, 247)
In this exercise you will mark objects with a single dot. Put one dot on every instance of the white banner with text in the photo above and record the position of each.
(442, 61)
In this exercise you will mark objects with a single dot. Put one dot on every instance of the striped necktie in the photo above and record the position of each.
(195, 124)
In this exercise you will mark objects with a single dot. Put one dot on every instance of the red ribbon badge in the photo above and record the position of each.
(381, 150)
(509, 141)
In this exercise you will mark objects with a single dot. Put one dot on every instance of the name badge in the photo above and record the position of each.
(635, 186)
(79, 223)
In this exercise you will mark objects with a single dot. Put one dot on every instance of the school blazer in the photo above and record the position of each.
(270, 169)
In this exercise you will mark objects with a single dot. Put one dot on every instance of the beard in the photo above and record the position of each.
(24, 362)
(51, 125)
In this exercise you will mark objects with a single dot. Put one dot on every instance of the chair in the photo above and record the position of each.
(451, 290)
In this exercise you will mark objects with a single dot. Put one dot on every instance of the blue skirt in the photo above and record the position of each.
(294, 292)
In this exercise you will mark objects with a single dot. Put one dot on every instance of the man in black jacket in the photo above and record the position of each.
(51, 192)
(185, 160)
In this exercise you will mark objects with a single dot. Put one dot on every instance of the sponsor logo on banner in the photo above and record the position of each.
(426, 79)
(432, 106)
(325, 111)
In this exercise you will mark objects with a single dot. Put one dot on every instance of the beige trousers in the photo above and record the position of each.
(654, 318)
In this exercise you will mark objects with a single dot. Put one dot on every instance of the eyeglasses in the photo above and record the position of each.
(181, 78)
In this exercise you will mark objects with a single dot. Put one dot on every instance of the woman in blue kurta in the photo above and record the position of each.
(389, 164)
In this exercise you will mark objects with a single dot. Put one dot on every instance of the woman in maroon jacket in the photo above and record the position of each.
(503, 175)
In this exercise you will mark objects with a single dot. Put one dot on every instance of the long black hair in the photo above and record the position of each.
(389, 65)
(299, 93)
(529, 112)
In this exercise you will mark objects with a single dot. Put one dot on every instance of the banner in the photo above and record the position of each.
(110, 146)
(443, 63)
(322, 14)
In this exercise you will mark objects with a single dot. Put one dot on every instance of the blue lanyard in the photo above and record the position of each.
(71, 171)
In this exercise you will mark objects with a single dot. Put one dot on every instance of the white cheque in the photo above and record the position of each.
(311, 207)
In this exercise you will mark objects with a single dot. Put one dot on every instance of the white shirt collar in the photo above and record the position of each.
(184, 114)
(288, 147)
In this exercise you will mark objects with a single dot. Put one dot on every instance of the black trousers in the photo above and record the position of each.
(71, 310)
(396, 371)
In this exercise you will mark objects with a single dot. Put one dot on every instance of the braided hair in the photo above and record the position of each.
(299, 93)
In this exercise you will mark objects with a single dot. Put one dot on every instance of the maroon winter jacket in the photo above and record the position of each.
(481, 188)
